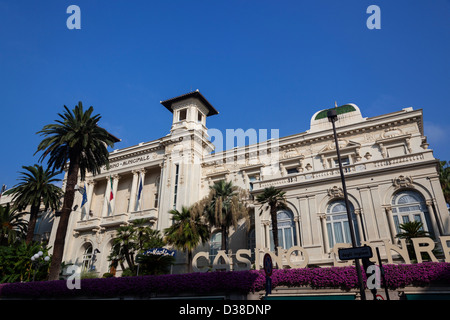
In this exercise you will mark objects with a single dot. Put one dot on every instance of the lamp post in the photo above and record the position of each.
(37, 262)
(332, 117)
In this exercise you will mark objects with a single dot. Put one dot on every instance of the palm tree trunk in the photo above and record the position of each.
(273, 216)
(32, 224)
(128, 258)
(69, 195)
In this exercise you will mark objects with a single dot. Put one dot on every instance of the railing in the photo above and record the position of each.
(115, 219)
(393, 161)
(348, 170)
(84, 225)
(144, 214)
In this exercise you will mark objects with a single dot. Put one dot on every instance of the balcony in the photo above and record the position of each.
(87, 225)
(114, 220)
(374, 165)
(150, 214)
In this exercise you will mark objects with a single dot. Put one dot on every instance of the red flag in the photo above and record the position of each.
(111, 195)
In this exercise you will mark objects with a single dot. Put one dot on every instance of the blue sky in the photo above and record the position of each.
(262, 64)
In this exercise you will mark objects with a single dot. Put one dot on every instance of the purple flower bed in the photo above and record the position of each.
(238, 281)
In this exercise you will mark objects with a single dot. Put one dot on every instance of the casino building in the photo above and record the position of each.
(391, 176)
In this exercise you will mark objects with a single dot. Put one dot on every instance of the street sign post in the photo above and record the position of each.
(268, 266)
(355, 253)
(268, 269)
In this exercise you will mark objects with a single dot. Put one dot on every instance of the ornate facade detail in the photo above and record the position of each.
(402, 181)
(391, 132)
(335, 192)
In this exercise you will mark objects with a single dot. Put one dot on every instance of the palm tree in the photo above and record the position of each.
(187, 231)
(12, 225)
(35, 188)
(125, 243)
(276, 200)
(412, 229)
(225, 207)
(144, 236)
(130, 245)
(151, 263)
(75, 138)
(444, 178)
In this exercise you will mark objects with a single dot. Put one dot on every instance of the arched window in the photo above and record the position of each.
(410, 206)
(286, 230)
(338, 228)
(87, 257)
(215, 244)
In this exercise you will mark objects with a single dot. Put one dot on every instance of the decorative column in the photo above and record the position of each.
(358, 222)
(432, 217)
(391, 223)
(266, 224)
(245, 179)
(297, 229)
(326, 241)
(134, 185)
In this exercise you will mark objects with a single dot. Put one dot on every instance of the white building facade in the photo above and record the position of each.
(391, 176)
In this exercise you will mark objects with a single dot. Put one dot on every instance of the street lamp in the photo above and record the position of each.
(332, 117)
(37, 261)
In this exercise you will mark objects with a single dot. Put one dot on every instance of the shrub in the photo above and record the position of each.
(397, 276)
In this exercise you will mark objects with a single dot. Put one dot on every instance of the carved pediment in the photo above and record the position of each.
(344, 145)
(391, 132)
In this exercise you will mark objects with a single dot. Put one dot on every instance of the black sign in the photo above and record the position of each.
(355, 253)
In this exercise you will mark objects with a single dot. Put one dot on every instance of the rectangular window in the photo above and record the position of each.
(292, 170)
(182, 115)
(175, 191)
(345, 162)
(199, 116)
(396, 151)
(252, 179)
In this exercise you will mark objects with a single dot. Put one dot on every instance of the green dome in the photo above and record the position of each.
(339, 110)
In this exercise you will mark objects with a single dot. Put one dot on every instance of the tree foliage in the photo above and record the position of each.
(224, 207)
(444, 178)
(187, 231)
(410, 230)
(275, 200)
(75, 138)
(16, 264)
(129, 247)
(36, 188)
(12, 225)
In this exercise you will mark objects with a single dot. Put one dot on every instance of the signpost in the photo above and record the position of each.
(332, 117)
(268, 269)
(160, 252)
(382, 274)
(364, 252)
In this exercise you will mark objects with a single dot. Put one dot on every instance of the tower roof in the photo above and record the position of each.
(194, 94)
(347, 114)
(339, 110)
